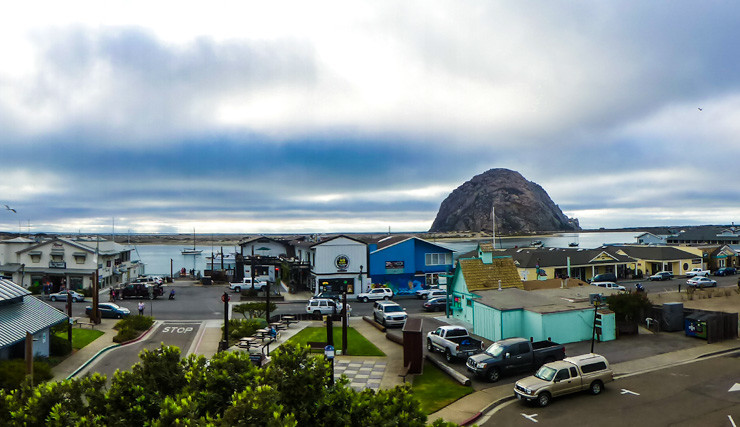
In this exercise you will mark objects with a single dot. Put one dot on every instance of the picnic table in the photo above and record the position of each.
(262, 333)
(279, 326)
(288, 320)
(247, 342)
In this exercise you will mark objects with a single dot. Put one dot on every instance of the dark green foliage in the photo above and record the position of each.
(59, 346)
(254, 309)
(629, 307)
(139, 323)
(244, 328)
(163, 390)
(13, 372)
(126, 334)
(35, 288)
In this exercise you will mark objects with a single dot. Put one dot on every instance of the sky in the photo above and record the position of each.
(357, 116)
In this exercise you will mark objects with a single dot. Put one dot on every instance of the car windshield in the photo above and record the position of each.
(393, 308)
(495, 350)
(545, 373)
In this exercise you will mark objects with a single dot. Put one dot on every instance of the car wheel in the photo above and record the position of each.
(386, 298)
(384, 323)
(448, 356)
(424, 296)
(430, 347)
(117, 316)
(493, 375)
(237, 289)
(53, 298)
(365, 299)
(543, 399)
(596, 387)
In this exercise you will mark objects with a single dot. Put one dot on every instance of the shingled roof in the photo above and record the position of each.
(479, 276)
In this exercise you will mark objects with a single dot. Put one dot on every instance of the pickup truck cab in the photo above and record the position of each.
(697, 272)
(246, 283)
(570, 375)
(513, 355)
(454, 342)
(140, 290)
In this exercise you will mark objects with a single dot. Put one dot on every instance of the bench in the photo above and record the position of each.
(91, 325)
(316, 345)
(405, 372)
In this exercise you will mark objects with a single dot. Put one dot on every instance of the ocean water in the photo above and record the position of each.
(156, 258)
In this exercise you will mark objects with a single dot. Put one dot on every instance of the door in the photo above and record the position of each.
(564, 383)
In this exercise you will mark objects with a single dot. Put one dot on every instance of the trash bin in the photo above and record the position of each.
(206, 280)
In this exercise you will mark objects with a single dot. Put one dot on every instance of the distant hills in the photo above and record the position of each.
(521, 207)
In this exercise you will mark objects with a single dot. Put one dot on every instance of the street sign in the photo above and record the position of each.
(225, 298)
(329, 352)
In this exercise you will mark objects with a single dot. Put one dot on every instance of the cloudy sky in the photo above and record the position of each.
(355, 116)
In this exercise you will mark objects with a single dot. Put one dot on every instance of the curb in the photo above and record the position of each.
(96, 355)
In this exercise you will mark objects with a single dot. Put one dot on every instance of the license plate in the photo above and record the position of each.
(519, 396)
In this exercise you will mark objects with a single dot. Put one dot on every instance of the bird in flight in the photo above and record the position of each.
(701, 109)
(10, 209)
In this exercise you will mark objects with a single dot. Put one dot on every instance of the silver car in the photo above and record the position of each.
(62, 296)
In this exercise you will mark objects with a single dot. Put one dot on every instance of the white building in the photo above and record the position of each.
(61, 262)
(337, 262)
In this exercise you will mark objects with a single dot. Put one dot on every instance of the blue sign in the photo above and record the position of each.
(329, 352)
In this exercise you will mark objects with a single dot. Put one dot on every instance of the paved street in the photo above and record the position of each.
(695, 394)
(180, 334)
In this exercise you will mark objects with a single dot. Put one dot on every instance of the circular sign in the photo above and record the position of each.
(225, 298)
(341, 262)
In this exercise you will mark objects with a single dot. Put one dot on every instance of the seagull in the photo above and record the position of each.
(10, 209)
(700, 109)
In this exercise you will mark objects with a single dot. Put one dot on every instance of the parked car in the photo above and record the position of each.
(422, 293)
(513, 355)
(388, 313)
(109, 310)
(435, 304)
(140, 290)
(437, 293)
(604, 277)
(570, 375)
(725, 271)
(246, 283)
(454, 342)
(701, 282)
(336, 296)
(320, 306)
(697, 272)
(609, 285)
(375, 294)
(62, 296)
(662, 275)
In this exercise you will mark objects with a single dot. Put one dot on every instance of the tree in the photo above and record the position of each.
(254, 309)
(629, 307)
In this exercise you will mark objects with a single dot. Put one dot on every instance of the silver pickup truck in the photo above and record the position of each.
(454, 342)
(570, 375)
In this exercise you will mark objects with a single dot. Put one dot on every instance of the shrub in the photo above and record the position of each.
(13, 372)
(139, 323)
(126, 334)
(628, 307)
(59, 346)
(243, 328)
(35, 288)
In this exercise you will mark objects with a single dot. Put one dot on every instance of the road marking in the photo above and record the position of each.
(625, 391)
(176, 330)
(530, 417)
(736, 387)
(732, 421)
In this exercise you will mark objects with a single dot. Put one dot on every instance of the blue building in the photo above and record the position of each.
(407, 264)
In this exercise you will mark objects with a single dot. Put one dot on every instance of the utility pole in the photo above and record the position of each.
(69, 314)
(225, 343)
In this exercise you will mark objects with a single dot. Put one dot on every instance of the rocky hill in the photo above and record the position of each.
(521, 206)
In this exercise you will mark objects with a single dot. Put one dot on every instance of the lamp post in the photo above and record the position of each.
(593, 333)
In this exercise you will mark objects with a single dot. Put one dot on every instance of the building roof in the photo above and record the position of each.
(27, 314)
(19, 240)
(541, 301)
(707, 234)
(658, 253)
(9, 291)
(558, 257)
(58, 240)
(263, 239)
(395, 240)
(337, 237)
(479, 276)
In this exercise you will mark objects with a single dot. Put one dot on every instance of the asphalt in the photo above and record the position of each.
(629, 356)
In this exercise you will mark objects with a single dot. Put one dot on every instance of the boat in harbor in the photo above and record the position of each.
(188, 251)
(536, 243)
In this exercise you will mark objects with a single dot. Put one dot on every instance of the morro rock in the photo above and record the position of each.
(521, 206)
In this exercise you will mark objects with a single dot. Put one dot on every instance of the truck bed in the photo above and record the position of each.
(539, 345)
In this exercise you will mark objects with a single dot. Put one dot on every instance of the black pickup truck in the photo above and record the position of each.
(513, 355)
(139, 290)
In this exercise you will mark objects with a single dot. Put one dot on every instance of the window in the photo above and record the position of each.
(438, 259)
(562, 375)
(523, 348)
(573, 372)
(470, 302)
(593, 367)
(432, 278)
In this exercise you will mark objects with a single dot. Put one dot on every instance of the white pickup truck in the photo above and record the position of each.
(247, 284)
(454, 342)
(697, 272)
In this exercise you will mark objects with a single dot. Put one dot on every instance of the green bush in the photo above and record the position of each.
(139, 323)
(35, 288)
(249, 292)
(13, 372)
(59, 346)
(244, 328)
(126, 334)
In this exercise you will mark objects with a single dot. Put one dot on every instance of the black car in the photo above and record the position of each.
(725, 271)
(436, 304)
(605, 277)
(662, 275)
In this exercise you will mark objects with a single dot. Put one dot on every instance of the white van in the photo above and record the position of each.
(609, 285)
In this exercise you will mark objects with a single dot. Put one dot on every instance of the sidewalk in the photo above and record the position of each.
(80, 357)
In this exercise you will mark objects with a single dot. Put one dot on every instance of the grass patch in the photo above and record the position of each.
(435, 389)
(357, 345)
(81, 337)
